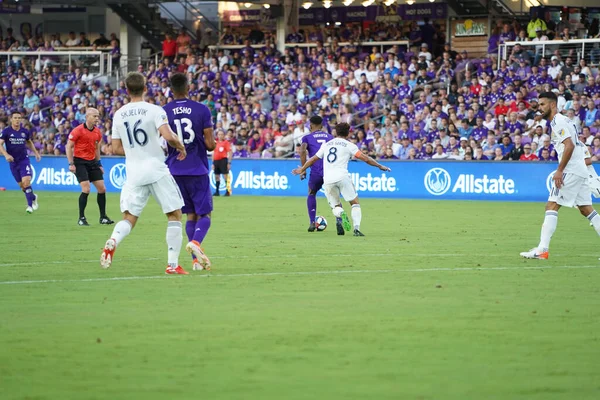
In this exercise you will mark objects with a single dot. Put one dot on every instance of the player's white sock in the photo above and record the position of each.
(173, 243)
(595, 220)
(337, 211)
(548, 228)
(122, 229)
(356, 216)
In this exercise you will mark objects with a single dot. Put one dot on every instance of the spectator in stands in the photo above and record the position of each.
(169, 47)
(535, 25)
(73, 41)
(183, 42)
(101, 41)
(527, 154)
(83, 40)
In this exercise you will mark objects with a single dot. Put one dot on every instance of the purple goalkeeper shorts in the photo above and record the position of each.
(196, 193)
(315, 182)
(20, 169)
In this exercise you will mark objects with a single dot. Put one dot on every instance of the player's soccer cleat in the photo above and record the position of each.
(339, 227)
(312, 227)
(216, 193)
(106, 221)
(227, 194)
(176, 271)
(534, 253)
(194, 248)
(82, 222)
(29, 210)
(358, 233)
(107, 253)
(35, 205)
(197, 265)
(346, 222)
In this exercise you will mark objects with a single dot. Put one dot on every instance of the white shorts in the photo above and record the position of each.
(165, 191)
(574, 192)
(345, 187)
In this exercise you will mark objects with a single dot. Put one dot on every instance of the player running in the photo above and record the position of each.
(570, 185)
(311, 143)
(193, 124)
(335, 155)
(137, 127)
(17, 140)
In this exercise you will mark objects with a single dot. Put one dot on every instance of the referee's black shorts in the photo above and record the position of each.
(87, 170)
(221, 166)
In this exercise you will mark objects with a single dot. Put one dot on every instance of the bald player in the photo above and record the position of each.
(83, 153)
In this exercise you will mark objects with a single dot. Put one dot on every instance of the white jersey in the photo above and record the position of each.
(335, 154)
(136, 124)
(563, 129)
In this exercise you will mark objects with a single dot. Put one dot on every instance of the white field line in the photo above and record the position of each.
(281, 256)
(292, 273)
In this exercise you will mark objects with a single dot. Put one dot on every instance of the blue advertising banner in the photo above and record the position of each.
(506, 181)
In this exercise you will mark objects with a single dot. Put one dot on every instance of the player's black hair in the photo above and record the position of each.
(179, 83)
(342, 129)
(135, 83)
(548, 95)
(316, 120)
(16, 112)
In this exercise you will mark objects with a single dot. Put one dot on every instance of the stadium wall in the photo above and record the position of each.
(505, 181)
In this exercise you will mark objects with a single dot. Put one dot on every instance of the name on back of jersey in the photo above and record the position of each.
(182, 110)
(132, 112)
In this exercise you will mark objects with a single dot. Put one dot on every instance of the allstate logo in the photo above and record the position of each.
(118, 175)
(223, 186)
(549, 181)
(437, 181)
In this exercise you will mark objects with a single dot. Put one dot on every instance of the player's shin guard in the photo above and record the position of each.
(311, 204)
(29, 195)
(83, 198)
(548, 228)
(102, 204)
(190, 227)
(595, 220)
(201, 229)
(356, 215)
(122, 229)
(173, 243)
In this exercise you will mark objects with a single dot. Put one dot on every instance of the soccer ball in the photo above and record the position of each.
(320, 223)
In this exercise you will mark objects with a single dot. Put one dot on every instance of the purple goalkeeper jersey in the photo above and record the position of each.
(188, 119)
(16, 142)
(314, 141)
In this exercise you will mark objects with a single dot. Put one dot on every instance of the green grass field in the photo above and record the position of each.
(434, 303)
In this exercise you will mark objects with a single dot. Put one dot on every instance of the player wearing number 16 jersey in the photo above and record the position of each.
(336, 180)
(570, 187)
(193, 123)
(137, 127)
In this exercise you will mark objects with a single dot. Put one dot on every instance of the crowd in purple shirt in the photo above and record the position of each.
(424, 102)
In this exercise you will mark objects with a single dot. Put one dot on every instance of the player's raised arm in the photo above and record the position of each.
(171, 138)
(209, 139)
(371, 161)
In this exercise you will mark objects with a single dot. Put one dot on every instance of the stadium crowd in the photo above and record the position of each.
(425, 102)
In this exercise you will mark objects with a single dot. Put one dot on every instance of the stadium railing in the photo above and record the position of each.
(382, 45)
(98, 62)
(586, 49)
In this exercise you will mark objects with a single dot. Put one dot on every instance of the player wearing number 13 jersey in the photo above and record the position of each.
(193, 123)
(336, 180)
(570, 187)
(137, 127)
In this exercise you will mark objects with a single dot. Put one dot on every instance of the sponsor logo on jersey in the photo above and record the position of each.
(118, 175)
(438, 181)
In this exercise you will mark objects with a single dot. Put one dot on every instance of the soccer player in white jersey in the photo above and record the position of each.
(137, 128)
(570, 187)
(336, 180)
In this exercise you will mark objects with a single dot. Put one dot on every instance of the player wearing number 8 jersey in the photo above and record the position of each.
(570, 187)
(193, 124)
(336, 180)
(137, 127)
